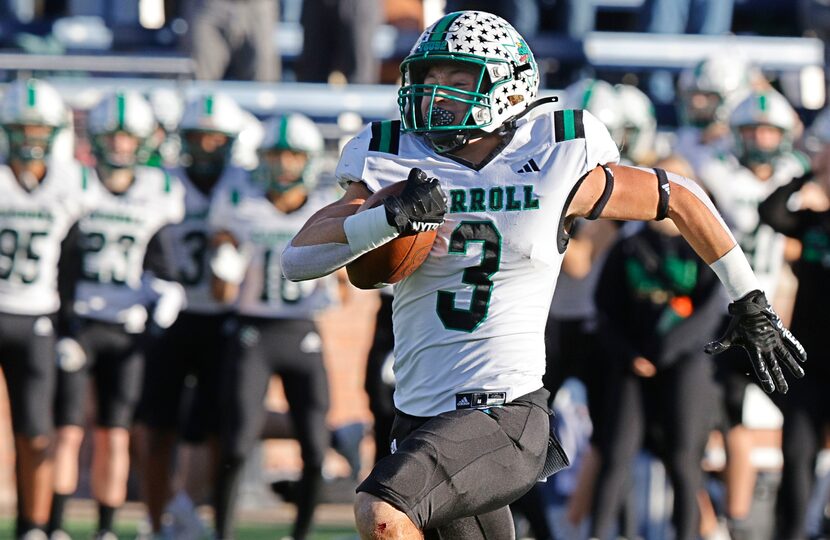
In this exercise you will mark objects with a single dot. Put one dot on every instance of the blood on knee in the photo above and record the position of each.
(381, 527)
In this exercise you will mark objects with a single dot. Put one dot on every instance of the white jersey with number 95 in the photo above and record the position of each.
(32, 226)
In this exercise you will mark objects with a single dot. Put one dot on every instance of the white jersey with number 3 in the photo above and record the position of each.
(32, 226)
(472, 317)
(186, 244)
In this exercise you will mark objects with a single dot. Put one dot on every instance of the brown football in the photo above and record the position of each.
(394, 260)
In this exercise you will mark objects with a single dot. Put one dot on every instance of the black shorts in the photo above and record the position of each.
(115, 361)
(260, 348)
(181, 381)
(463, 463)
(27, 357)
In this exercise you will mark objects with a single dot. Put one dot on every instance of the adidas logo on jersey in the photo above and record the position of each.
(530, 166)
(463, 402)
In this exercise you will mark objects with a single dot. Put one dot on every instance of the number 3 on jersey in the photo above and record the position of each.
(480, 276)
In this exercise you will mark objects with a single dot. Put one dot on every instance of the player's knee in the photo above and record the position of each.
(378, 520)
(36, 446)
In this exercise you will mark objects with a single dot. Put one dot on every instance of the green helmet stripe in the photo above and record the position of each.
(762, 102)
(208, 105)
(586, 96)
(120, 108)
(31, 97)
(441, 26)
(282, 138)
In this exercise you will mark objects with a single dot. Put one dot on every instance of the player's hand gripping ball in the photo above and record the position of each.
(415, 207)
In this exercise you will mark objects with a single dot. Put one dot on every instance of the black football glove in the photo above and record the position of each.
(420, 206)
(757, 328)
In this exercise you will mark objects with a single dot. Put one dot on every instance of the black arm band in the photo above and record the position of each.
(664, 190)
(606, 194)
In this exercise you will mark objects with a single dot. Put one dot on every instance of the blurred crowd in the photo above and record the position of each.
(140, 244)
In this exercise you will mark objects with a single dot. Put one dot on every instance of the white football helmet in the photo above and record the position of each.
(32, 102)
(600, 99)
(120, 112)
(212, 112)
(168, 107)
(710, 89)
(126, 111)
(295, 133)
(769, 108)
(640, 123)
(508, 78)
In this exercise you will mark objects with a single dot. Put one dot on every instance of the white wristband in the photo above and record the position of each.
(734, 272)
(368, 229)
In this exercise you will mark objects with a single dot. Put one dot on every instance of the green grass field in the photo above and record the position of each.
(83, 530)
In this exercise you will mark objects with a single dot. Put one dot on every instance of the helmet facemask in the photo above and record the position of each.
(420, 103)
(751, 153)
(281, 170)
(113, 151)
(28, 143)
(205, 155)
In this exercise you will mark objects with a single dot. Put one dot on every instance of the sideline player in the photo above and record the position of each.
(763, 126)
(194, 344)
(43, 196)
(275, 331)
(117, 303)
(472, 432)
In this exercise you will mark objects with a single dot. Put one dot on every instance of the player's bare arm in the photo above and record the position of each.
(628, 193)
(635, 196)
(326, 225)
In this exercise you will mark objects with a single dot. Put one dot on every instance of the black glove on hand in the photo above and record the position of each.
(420, 206)
(757, 328)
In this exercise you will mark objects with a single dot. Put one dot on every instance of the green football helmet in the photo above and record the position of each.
(507, 78)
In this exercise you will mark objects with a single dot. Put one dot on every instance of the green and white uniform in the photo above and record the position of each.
(32, 226)
(114, 239)
(737, 193)
(263, 232)
(472, 317)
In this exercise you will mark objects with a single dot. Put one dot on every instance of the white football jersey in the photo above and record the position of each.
(737, 193)
(472, 317)
(264, 232)
(114, 239)
(32, 226)
(186, 244)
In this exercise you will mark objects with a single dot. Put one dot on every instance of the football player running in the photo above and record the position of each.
(472, 432)
(116, 301)
(43, 197)
(275, 332)
(194, 344)
(762, 126)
